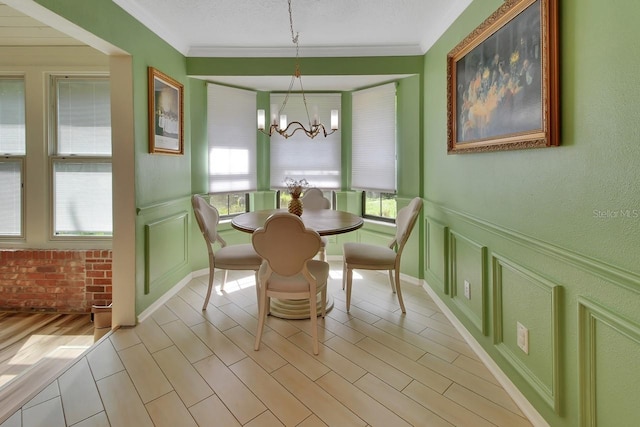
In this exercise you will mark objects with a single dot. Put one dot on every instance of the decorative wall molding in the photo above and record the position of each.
(546, 383)
(591, 317)
(624, 278)
(382, 237)
(170, 236)
(435, 229)
(150, 209)
(479, 319)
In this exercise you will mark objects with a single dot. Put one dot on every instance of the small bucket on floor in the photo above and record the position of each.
(101, 320)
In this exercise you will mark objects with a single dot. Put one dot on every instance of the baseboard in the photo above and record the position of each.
(519, 399)
(168, 295)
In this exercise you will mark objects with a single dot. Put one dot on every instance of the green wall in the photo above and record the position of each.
(549, 237)
(545, 237)
(162, 182)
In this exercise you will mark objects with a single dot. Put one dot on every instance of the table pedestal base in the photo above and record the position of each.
(297, 309)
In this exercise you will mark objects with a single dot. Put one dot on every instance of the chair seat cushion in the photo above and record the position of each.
(241, 257)
(374, 256)
(278, 283)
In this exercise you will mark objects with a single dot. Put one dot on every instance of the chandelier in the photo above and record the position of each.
(279, 122)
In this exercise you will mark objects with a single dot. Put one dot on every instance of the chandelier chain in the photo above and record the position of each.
(294, 39)
(297, 73)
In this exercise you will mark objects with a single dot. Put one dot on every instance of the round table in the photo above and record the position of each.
(325, 222)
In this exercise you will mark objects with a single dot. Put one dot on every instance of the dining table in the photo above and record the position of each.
(326, 222)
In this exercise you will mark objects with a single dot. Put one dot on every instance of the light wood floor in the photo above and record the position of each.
(28, 338)
(185, 367)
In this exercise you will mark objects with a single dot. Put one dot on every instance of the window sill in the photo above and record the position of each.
(379, 222)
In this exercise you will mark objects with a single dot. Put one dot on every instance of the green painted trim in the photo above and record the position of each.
(590, 312)
(374, 234)
(623, 278)
(480, 321)
(346, 131)
(549, 393)
(443, 281)
(168, 269)
(147, 210)
(263, 145)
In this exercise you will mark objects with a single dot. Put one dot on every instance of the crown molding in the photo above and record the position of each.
(309, 52)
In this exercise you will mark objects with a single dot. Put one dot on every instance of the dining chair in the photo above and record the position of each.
(314, 200)
(288, 270)
(376, 257)
(231, 257)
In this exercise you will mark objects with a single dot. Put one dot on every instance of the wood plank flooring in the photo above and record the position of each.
(185, 367)
(28, 338)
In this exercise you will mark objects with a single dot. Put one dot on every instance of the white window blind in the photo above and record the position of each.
(231, 130)
(81, 163)
(10, 197)
(13, 150)
(317, 160)
(373, 152)
(82, 194)
(84, 117)
(12, 116)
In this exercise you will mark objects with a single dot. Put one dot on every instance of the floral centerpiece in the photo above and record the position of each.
(296, 187)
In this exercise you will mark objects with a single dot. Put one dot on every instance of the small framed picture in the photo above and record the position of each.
(166, 103)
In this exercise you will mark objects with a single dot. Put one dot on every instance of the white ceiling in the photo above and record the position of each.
(260, 28)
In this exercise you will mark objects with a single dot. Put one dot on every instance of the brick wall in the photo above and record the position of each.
(53, 280)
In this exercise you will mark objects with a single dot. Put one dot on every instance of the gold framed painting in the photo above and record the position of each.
(502, 81)
(166, 103)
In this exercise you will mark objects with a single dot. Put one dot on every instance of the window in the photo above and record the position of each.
(13, 151)
(230, 204)
(316, 160)
(81, 157)
(231, 130)
(374, 150)
(379, 205)
(284, 197)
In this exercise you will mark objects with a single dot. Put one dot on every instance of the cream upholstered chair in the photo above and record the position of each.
(314, 200)
(374, 257)
(288, 270)
(232, 257)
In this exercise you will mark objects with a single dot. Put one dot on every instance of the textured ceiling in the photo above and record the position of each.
(260, 28)
(326, 27)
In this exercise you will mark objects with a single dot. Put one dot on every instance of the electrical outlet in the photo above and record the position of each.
(523, 337)
(467, 289)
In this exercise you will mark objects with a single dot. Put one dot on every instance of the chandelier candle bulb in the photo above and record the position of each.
(283, 121)
(260, 119)
(274, 114)
(334, 119)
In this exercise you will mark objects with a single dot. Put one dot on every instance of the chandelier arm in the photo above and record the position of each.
(310, 133)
